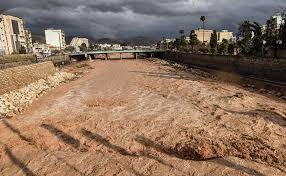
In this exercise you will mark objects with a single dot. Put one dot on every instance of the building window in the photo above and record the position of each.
(15, 27)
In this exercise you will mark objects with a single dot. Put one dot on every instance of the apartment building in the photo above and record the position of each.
(204, 35)
(41, 50)
(55, 38)
(224, 34)
(14, 37)
(77, 42)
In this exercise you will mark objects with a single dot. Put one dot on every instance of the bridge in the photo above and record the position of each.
(117, 54)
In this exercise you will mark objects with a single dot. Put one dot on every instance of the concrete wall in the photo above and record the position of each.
(14, 64)
(59, 60)
(264, 68)
(281, 53)
(17, 77)
(16, 60)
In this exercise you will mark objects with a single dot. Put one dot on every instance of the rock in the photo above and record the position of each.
(16, 101)
(279, 94)
(263, 91)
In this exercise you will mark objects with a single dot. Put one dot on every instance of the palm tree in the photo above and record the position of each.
(203, 19)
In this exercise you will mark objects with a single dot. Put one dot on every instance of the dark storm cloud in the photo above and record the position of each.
(127, 18)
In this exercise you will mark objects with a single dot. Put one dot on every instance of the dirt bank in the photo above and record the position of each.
(136, 117)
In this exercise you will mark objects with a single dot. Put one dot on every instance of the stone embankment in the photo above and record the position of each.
(21, 85)
(18, 77)
(15, 101)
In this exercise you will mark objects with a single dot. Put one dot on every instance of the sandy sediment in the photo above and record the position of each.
(138, 117)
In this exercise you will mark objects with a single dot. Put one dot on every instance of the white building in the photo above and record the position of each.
(105, 46)
(14, 37)
(168, 40)
(55, 38)
(77, 42)
(41, 50)
(116, 47)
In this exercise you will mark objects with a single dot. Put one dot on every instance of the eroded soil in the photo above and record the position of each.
(137, 117)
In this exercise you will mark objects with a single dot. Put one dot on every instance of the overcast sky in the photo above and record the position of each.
(129, 18)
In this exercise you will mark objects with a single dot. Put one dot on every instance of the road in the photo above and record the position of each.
(138, 117)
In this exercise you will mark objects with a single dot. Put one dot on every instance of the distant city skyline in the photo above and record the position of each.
(121, 19)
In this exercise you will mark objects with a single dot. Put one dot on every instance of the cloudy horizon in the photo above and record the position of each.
(121, 19)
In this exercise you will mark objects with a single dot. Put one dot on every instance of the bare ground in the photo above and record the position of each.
(137, 117)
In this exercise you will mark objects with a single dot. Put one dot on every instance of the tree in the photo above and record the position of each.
(182, 41)
(231, 48)
(176, 44)
(83, 47)
(252, 38)
(164, 44)
(213, 42)
(282, 31)
(56, 52)
(193, 40)
(223, 47)
(172, 45)
(182, 32)
(22, 50)
(92, 47)
(245, 33)
(271, 34)
(257, 40)
(69, 49)
(124, 43)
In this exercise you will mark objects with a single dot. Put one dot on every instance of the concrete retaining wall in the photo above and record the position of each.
(264, 68)
(15, 64)
(58, 60)
(8, 61)
(281, 53)
(17, 58)
(17, 77)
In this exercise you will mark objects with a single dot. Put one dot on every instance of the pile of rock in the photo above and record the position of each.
(15, 101)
